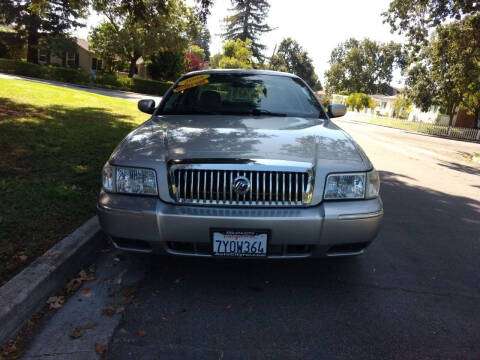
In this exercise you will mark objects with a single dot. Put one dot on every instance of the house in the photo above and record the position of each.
(434, 116)
(83, 58)
(384, 104)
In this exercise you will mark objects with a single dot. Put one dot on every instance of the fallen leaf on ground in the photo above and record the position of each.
(142, 333)
(85, 291)
(83, 276)
(136, 302)
(118, 279)
(23, 258)
(89, 325)
(227, 307)
(10, 350)
(76, 333)
(168, 318)
(100, 349)
(128, 291)
(120, 309)
(56, 302)
(108, 311)
(73, 285)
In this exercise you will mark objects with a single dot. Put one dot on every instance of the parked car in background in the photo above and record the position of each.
(240, 163)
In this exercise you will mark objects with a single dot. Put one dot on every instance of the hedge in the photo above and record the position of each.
(79, 77)
(133, 84)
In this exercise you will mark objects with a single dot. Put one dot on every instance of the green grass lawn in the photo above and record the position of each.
(53, 144)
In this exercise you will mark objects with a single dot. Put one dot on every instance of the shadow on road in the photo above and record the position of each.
(412, 295)
(461, 168)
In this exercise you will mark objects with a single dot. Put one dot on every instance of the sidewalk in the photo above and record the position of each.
(443, 131)
(126, 95)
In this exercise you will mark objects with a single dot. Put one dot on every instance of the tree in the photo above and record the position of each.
(105, 42)
(194, 62)
(360, 101)
(237, 54)
(402, 106)
(140, 28)
(197, 51)
(416, 17)
(248, 22)
(12, 46)
(203, 41)
(202, 10)
(363, 66)
(446, 71)
(36, 19)
(167, 65)
(291, 58)
(215, 61)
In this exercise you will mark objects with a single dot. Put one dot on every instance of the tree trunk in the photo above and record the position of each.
(133, 65)
(32, 39)
(452, 114)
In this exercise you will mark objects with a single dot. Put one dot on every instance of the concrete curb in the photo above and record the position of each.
(27, 292)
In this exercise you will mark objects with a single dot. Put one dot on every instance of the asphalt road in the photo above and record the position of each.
(415, 294)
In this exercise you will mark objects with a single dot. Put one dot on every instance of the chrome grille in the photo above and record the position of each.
(194, 185)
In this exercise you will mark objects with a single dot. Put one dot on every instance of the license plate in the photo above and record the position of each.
(239, 243)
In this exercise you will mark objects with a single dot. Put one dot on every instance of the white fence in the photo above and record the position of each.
(424, 128)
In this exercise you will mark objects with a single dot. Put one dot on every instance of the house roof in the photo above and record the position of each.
(382, 97)
(83, 44)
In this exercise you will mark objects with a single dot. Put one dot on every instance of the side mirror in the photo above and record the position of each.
(336, 110)
(146, 106)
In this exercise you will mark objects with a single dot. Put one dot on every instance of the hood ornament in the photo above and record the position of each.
(241, 185)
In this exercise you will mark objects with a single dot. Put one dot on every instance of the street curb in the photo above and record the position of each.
(27, 292)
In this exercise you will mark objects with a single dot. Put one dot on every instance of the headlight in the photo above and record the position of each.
(345, 186)
(129, 180)
(373, 185)
(352, 186)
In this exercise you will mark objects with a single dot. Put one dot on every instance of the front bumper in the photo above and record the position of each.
(147, 224)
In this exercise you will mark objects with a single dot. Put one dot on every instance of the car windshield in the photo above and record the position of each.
(242, 94)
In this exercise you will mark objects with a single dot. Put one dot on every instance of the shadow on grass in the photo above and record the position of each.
(50, 164)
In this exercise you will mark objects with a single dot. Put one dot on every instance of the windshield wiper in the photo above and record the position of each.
(258, 112)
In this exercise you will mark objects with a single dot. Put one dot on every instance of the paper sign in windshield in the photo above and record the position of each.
(191, 82)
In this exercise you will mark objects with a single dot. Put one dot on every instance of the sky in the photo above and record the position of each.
(319, 26)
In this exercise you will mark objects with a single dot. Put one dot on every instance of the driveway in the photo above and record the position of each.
(126, 95)
(415, 294)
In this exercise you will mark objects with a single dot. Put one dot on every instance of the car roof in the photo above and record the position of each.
(240, 72)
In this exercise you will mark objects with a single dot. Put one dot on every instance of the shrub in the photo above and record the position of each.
(359, 101)
(76, 76)
(150, 86)
(108, 81)
(67, 75)
(26, 69)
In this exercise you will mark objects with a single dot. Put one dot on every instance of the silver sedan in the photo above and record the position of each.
(240, 163)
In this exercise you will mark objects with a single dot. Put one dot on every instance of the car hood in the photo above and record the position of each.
(177, 137)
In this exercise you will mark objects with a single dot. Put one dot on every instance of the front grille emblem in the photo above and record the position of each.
(241, 185)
